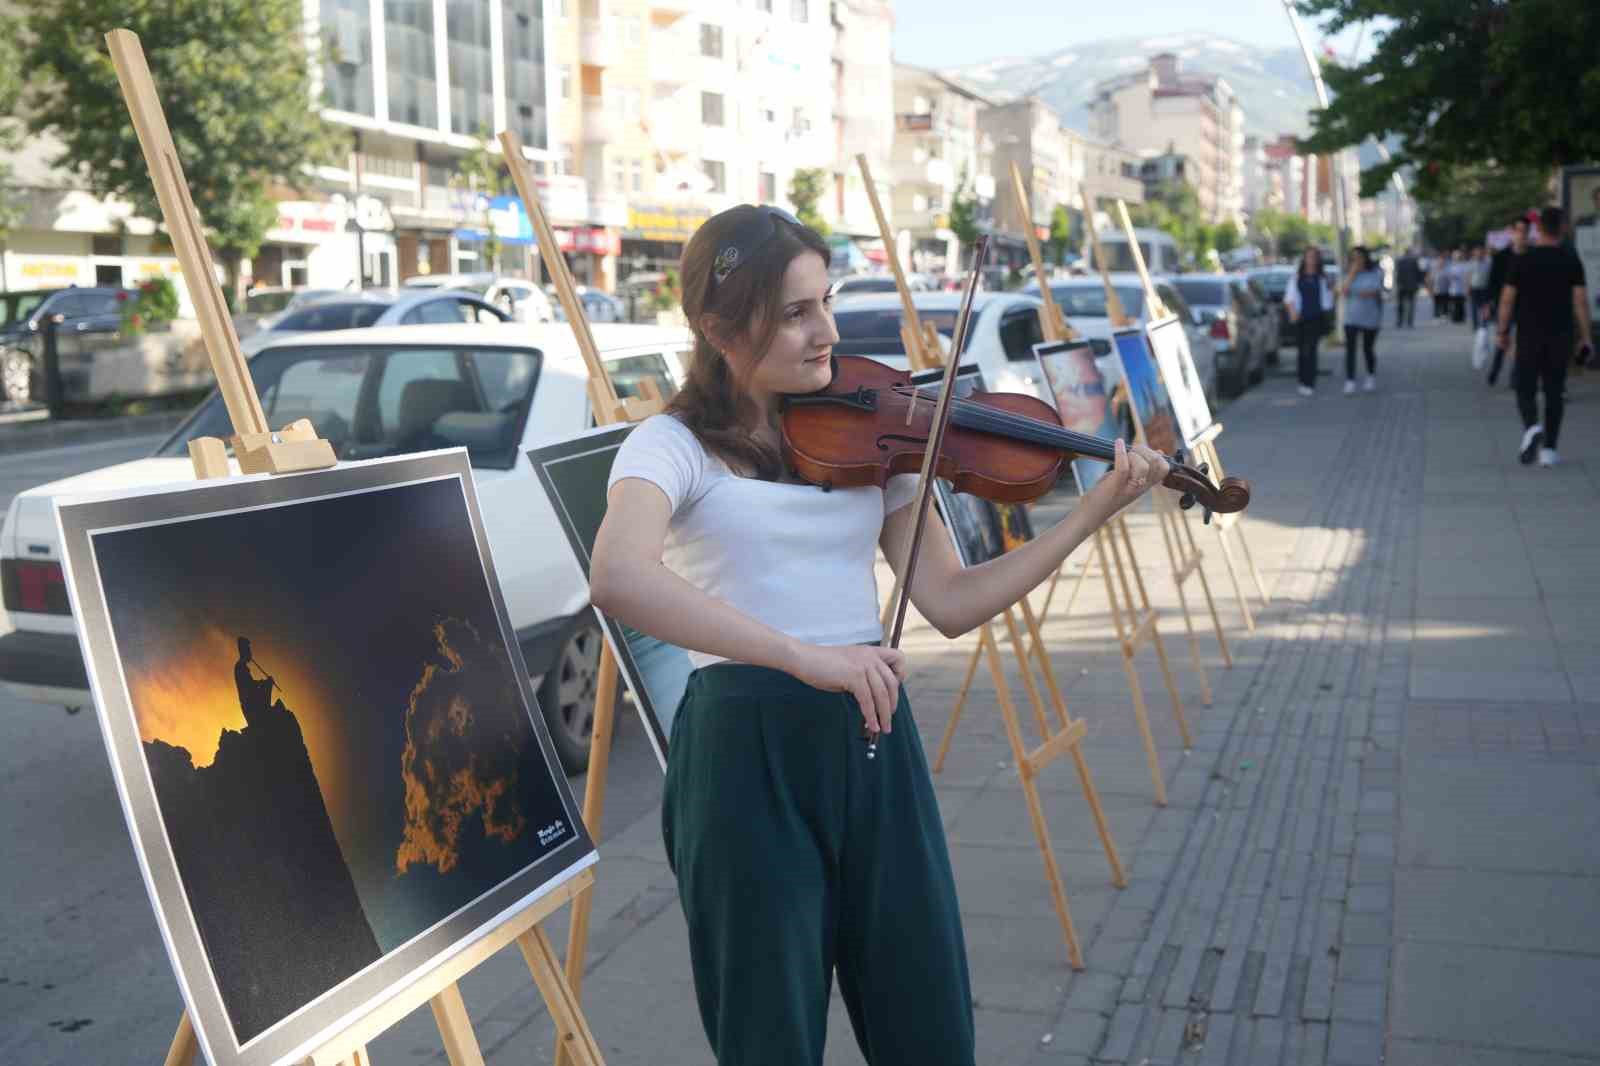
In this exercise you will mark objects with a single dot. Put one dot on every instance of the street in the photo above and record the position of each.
(1384, 846)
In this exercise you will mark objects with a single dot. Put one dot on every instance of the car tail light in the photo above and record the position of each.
(1220, 329)
(33, 585)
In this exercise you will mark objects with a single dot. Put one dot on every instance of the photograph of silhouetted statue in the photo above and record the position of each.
(342, 753)
(1151, 405)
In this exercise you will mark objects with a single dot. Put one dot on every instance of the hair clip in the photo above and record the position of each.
(724, 264)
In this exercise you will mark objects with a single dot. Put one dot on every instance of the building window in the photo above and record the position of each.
(710, 40)
(524, 59)
(413, 75)
(767, 191)
(802, 125)
(471, 87)
(800, 10)
(711, 109)
(764, 5)
(566, 81)
(717, 171)
(638, 175)
(347, 55)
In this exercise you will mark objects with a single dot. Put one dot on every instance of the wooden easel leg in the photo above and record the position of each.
(1155, 638)
(1036, 638)
(1041, 832)
(955, 712)
(1167, 515)
(1027, 674)
(1233, 576)
(1244, 546)
(574, 1041)
(184, 1043)
(1205, 587)
(1092, 796)
(455, 1029)
(594, 806)
(1135, 690)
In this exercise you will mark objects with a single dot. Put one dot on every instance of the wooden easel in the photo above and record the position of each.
(608, 410)
(1135, 621)
(1177, 534)
(1204, 451)
(299, 448)
(924, 352)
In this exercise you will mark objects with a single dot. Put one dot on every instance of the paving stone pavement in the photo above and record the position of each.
(1384, 845)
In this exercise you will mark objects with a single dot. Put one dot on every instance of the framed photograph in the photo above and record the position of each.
(1078, 388)
(322, 734)
(574, 473)
(1152, 408)
(1170, 343)
(1580, 198)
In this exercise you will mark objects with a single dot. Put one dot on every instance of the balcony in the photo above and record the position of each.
(597, 43)
(600, 122)
(671, 133)
(671, 10)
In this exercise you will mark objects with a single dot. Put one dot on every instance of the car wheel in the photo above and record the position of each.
(16, 375)
(566, 695)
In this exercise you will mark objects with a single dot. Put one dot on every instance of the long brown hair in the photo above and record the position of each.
(747, 303)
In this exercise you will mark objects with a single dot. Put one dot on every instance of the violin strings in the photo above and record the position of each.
(1008, 423)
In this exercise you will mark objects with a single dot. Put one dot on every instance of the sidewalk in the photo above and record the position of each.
(1385, 844)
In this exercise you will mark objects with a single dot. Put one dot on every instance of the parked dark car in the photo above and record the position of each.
(83, 311)
(1222, 306)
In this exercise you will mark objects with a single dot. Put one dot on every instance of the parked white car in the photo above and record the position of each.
(1005, 327)
(518, 297)
(496, 390)
(377, 307)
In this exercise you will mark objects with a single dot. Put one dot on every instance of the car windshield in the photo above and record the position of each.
(265, 303)
(1205, 292)
(876, 331)
(344, 314)
(1089, 301)
(372, 402)
(855, 285)
(1274, 281)
(17, 306)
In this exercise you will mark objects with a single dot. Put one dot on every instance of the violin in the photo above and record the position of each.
(872, 423)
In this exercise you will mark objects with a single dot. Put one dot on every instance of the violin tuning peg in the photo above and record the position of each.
(1177, 457)
(1207, 520)
(1186, 501)
(1205, 468)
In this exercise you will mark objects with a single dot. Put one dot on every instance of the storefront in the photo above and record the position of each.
(653, 239)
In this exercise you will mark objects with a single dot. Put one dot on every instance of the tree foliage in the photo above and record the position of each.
(10, 128)
(482, 175)
(1226, 236)
(806, 190)
(1175, 210)
(1462, 204)
(1286, 234)
(234, 80)
(1060, 233)
(1463, 83)
(964, 212)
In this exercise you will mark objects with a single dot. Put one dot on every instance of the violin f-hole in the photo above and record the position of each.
(882, 447)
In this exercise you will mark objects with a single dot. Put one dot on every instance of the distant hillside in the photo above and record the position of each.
(1271, 83)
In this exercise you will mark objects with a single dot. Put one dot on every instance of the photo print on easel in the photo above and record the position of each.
(1146, 391)
(574, 473)
(1081, 398)
(1170, 343)
(322, 733)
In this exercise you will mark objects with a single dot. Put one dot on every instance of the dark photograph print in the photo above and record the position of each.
(574, 473)
(323, 735)
(981, 530)
(1146, 391)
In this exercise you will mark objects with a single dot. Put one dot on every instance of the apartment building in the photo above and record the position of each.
(1163, 109)
(937, 151)
(863, 111)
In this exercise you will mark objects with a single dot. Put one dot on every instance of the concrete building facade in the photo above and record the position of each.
(938, 150)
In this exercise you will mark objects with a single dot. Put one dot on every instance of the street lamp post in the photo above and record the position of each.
(1340, 209)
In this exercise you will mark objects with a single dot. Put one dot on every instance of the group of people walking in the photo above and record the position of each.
(1310, 300)
(1533, 295)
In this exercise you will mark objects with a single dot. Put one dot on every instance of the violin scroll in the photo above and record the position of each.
(1232, 496)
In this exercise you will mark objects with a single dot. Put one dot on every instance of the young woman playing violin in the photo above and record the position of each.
(797, 856)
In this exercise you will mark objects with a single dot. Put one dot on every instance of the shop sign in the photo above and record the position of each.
(307, 222)
(592, 240)
(652, 222)
(49, 271)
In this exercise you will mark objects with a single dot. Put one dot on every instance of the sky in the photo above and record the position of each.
(949, 33)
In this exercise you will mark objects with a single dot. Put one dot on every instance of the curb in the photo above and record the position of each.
(37, 436)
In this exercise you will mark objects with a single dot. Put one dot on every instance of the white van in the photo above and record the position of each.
(1159, 249)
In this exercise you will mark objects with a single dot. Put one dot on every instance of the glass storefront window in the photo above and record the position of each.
(524, 48)
(471, 83)
(347, 55)
(413, 74)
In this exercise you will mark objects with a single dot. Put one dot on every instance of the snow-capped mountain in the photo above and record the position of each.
(1271, 83)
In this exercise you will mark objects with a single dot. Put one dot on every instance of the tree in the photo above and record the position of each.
(806, 190)
(1462, 204)
(1175, 210)
(1226, 237)
(1060, 233)
(964, 213)
(234, 79)
(482, 175)
(1464, 84)
(10, 129)
(1288, 234)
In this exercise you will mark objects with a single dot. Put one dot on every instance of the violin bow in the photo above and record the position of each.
(941, 418)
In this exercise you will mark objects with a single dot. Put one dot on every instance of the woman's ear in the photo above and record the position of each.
(717, 332)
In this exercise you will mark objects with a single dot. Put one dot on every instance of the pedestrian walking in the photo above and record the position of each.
(1310, 301)
(1439, 284)
(1407, 280)
(1478, 286)
(1545, 293)
(1499, 270)
(1363, 314)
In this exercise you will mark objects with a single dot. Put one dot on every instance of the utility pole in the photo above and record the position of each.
(1336, 162)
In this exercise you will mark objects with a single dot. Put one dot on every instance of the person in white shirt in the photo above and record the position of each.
(798, 857)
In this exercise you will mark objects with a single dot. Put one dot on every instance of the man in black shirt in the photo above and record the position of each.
(1545, 289)
(1407, 280)
(1499, 270)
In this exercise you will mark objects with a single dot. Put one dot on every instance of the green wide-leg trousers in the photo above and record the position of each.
(797, 857)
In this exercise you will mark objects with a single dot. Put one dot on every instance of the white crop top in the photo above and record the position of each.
(791, 556)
